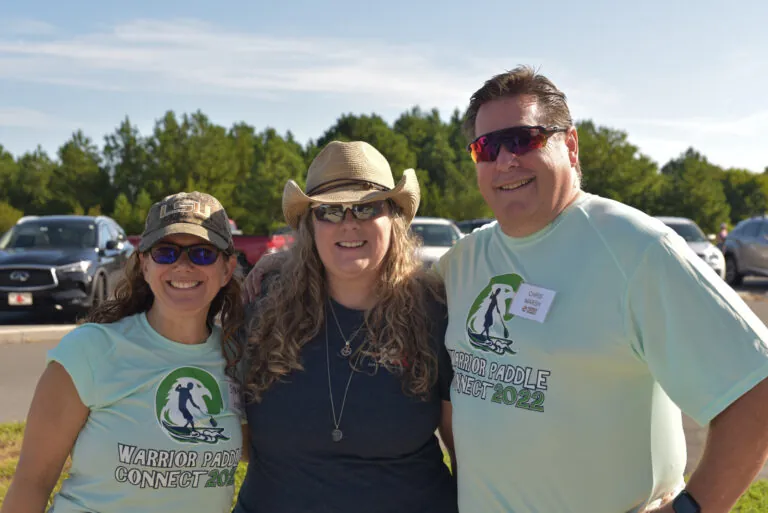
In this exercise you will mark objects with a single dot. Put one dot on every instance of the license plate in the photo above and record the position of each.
(19, 298)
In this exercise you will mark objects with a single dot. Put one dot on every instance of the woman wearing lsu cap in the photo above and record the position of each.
(347, 374)
(139, 394)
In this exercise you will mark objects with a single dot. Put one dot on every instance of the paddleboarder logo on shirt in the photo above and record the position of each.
(488, 317)
(187, 402)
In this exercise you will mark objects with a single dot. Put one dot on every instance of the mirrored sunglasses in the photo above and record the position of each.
(361, 211)
(199, 254)
(517, 139)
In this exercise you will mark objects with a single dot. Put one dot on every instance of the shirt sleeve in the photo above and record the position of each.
(444, 366)
(439, 267)
(701, 342)
(79, 353)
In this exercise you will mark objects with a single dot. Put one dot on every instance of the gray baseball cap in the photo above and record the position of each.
(193, 213)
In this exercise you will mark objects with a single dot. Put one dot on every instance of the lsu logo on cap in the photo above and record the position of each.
(186, 207)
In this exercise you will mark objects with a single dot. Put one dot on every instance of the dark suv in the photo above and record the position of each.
(60, 262)
(746, 250)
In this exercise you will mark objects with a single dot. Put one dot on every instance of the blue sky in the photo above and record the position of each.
(671, 74)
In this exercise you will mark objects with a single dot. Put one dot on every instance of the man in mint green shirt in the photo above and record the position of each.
(580, 328)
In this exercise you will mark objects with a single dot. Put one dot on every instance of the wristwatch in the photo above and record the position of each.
(685, 503)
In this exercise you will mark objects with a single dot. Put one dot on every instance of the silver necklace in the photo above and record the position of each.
(336, 434)
(347, 349)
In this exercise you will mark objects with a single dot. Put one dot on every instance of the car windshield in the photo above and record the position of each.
(50, 235)
(435, 234)
(468, 227)
(688, 231)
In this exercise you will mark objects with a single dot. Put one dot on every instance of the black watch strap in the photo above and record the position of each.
(685, 503)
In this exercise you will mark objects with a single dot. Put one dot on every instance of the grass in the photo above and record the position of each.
(754, 501)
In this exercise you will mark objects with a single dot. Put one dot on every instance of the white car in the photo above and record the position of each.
(437, 235)
(698, 242)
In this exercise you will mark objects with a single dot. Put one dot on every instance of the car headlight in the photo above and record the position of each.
(714, 257)
(77, 267)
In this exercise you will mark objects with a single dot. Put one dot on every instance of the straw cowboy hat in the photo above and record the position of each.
(350, 172)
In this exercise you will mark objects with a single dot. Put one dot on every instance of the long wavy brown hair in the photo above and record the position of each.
(292, 312)
(133, 295)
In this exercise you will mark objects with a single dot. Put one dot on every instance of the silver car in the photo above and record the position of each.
(698, 242)
(437, 236)
(746, 250)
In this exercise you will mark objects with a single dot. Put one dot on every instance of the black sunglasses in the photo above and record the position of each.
(166, 253)
(517, 139)
(362, 211)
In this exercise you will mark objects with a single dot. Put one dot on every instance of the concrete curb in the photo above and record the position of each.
(30, 334)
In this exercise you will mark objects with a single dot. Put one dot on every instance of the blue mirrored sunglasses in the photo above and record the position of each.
(199, 254)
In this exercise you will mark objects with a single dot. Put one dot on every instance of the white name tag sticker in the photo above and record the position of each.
(532, 302)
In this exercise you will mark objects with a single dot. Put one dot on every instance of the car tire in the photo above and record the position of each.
(732, 275)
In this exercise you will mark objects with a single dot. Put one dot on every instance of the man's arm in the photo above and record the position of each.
(735, 452)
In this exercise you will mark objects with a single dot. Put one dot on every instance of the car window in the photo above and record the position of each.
(117, 232)
(50, 234)
(751, 229)
(113, 233)
(435, 234)
(104, 235)
(688, 231)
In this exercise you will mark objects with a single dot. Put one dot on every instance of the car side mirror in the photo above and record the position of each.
(712, 237)
(112, 245)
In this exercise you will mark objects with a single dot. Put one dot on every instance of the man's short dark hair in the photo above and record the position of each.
(523, 80)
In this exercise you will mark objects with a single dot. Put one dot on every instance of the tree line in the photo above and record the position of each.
(246, 170)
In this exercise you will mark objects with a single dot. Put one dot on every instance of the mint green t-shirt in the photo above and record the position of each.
(163, 432)
(581, 412)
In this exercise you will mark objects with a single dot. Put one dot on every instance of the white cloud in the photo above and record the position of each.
(25, 27)
(15, 117)
(727, 141)
(190, 56)
(739, 126)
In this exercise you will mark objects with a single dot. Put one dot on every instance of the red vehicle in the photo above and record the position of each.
(250, 248)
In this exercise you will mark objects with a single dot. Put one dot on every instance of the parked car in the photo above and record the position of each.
(60, 262)
(746, 250)
(437, 235)
(250, 248)
(698, 242)
(471, 225)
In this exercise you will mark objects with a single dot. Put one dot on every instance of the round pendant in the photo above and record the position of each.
(346, 350)
(336, 435)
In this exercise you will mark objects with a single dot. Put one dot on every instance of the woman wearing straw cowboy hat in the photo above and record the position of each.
(346, 373)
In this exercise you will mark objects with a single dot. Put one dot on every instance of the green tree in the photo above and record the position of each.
(375, 131)
(212, 159)
(746, 193)
(126, 160)
(30, 190)
(446, 173)
(613, 168)
(276, 160)
(9, 171)
(143, 203)
(168, 165)
(79, 181)
(123, 214)
(8, 216)
(693, 188)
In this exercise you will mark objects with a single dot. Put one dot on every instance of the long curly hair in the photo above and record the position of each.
(293, 308)
(133, 295)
